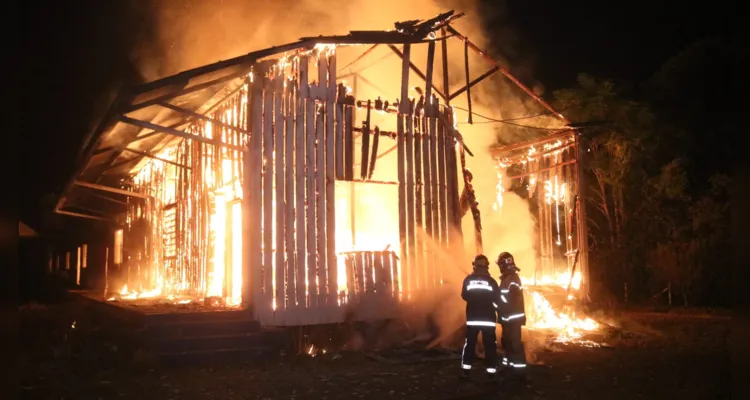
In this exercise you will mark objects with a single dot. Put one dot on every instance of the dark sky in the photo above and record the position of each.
(77, 55)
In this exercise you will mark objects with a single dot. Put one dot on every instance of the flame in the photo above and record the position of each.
(541, 315)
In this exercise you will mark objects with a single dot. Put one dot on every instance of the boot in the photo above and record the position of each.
(491, 377)
(465, 374)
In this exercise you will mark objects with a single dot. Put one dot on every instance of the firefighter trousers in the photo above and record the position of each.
(514, 356)
(490, 347)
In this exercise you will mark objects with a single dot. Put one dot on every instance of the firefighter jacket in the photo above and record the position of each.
(511, 304)
(480, 292)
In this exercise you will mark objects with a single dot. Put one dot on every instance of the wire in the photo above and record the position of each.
(507, 121)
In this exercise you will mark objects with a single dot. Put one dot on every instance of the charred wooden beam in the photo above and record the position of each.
(374, 157)
(428, 80)
(541, 170)
(499, 151)
(149, 155)
(468, 82)
(99, 196)
(505, 72)
(202, 117)
(110, 189)
(175, 132)
(365, 144)
(416, 70)
(80, 215)
(474, 82)
(446, 87)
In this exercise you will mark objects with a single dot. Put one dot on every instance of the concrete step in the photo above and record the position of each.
(220, 355)
(263, 338)
(199, 328)
(195, 317)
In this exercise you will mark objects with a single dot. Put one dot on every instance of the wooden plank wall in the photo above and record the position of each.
(301, 142)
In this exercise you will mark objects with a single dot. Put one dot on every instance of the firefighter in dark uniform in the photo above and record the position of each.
(480, 291)
(512, 316)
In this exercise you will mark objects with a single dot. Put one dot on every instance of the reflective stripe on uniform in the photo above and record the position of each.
(480, 323)
(502, 297)
(494, 305)
(513, 283)
(514, 316)
(473, 286)
(518, 365)
(491, 370)
(465, 366)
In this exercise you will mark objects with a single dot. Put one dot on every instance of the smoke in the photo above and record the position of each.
(191, 33)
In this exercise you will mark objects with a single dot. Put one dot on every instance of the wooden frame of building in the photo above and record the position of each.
(231, 180)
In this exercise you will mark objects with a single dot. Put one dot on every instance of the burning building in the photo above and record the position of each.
(283, 183)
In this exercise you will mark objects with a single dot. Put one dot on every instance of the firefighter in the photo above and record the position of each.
(512, 316)
(480, 291)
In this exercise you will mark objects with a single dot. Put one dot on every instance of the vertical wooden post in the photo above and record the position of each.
(300, 189)
(78, 266)
(320, 190)
(446, 87)
(279, 223)
(289, 164)
(442, 185)
(252, 286)
(364, 162)
(330, 181)
(268, 228)
(455, 238)
(583, 232)
(468, 81)
(401, 154)
(349, 142)
(410, 234)
(419, 265)
(434, 184)
(312, 265)
(106, 271)
(339, 135)
(406, 183)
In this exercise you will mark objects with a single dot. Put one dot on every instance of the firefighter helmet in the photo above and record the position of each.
(481, 261)
(505, 261)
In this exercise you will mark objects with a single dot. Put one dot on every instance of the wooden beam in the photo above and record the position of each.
(506, 73)
(330, 182)
(498, 151)
(188, 90)
(201, 116)
(109, 199)
(474, 82)
(175, 132)
(277, 164)
(415, 69)
(468, 82)
(300, 189)
(446, 87)
(79, 215)
(541, 170)
(149, 155)
(110, 189)
(292, 284)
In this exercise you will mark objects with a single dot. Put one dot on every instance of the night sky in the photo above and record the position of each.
(77, 56)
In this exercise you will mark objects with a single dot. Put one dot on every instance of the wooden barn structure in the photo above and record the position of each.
(254, 181)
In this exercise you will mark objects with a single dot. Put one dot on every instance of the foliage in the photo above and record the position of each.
(654, 219)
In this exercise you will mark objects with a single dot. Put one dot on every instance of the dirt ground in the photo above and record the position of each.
(66, 354)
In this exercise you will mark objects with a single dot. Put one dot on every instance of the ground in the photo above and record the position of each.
(66, 354)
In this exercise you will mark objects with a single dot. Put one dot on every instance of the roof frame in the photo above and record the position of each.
(163, 91)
